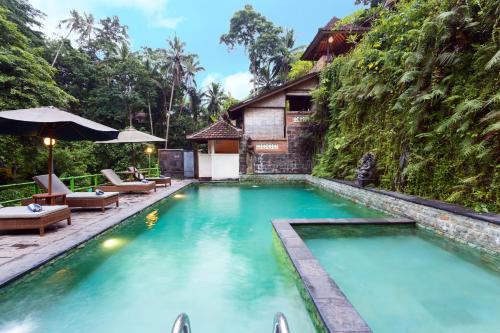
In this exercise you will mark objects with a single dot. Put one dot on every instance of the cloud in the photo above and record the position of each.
(155, 11)
(167, 22)
(238, 85)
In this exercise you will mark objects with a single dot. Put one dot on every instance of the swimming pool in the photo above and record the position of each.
(207, 251)
(402, 279)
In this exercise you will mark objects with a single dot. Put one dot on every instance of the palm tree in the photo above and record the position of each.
(75, 21)
(148, 59)
(191, 68)
(195, 99)
(215, 98)
(283, 58)
(176, 56)
(86, 29)
(265, 80)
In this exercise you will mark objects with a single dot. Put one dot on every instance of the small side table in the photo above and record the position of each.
(50, 199)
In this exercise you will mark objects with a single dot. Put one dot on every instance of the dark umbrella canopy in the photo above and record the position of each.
(54, 123)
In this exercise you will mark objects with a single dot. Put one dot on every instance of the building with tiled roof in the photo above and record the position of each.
(220, 130)
(268, 130)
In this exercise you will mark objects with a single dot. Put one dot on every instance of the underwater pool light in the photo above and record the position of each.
(112, 243)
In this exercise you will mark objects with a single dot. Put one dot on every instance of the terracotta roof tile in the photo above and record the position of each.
(221, 130)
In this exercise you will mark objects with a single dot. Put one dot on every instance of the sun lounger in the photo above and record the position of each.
(119, 185)
(78, 199)
(19, 217)
(166, 181)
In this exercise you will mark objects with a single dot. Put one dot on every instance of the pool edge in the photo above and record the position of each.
(334, 308)
(112, 222)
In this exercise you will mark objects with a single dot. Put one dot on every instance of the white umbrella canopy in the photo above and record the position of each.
(131, 135)
(53, 123)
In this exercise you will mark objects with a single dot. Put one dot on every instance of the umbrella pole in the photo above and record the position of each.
(50, 168)
(133, 156)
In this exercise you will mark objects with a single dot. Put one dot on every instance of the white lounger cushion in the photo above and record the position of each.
(22, 212)
(90, 195)
(134, 184)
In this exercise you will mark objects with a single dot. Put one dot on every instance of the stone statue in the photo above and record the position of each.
(366, 170)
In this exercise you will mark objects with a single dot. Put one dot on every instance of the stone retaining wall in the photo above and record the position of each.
(474, 232)
(297, 160)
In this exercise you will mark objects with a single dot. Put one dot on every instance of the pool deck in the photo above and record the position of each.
(335, 310)
(23, 251)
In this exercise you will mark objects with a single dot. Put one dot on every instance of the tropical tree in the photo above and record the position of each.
(26, 18)
(109, 35)
(268, 46)
(176, 57)
(195, 103)
(149, 60)
(74, 22)
(86, 31)
(26, 79)
(191, 68)
(214, 97)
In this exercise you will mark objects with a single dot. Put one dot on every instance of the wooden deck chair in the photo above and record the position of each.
(20, 217)
(78, 199)
(166, 181)
(119, 185)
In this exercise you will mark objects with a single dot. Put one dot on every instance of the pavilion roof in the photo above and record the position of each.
(220, 130)
(319, 45)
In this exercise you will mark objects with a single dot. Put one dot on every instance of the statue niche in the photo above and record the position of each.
(367, 169)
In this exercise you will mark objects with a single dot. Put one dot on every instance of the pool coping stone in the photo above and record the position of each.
(334, 308)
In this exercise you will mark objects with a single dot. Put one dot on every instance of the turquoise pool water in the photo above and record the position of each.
(402, 279)
(208, 251)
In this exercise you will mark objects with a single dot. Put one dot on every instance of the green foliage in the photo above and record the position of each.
(269, 47)
(97, 77)
(26, 79)
(299, 68)
(421, 91)
(25, 17)
(215, 98)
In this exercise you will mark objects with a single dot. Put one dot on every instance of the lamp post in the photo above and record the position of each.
(49, 142)
(330, 42)
(149, 151)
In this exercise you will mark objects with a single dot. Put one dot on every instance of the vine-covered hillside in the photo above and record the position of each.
(422, 91)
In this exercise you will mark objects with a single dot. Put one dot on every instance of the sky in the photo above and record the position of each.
(200, 23)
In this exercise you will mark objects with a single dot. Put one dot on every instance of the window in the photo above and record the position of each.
(298, 103)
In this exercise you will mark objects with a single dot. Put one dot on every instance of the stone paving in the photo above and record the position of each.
(23, 250)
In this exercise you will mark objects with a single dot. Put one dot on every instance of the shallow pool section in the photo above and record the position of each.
(208, 251)
(402, 279)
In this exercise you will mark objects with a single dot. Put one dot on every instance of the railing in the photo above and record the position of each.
(182, 324)
(24, 191)
(280, 324)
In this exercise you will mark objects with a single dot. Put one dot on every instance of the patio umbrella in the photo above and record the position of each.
(131, 135)
(50, 122)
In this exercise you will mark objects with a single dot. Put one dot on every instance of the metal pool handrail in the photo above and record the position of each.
(280, 324)
(181, 324)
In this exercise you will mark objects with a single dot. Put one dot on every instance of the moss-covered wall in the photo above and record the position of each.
(422, 91)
